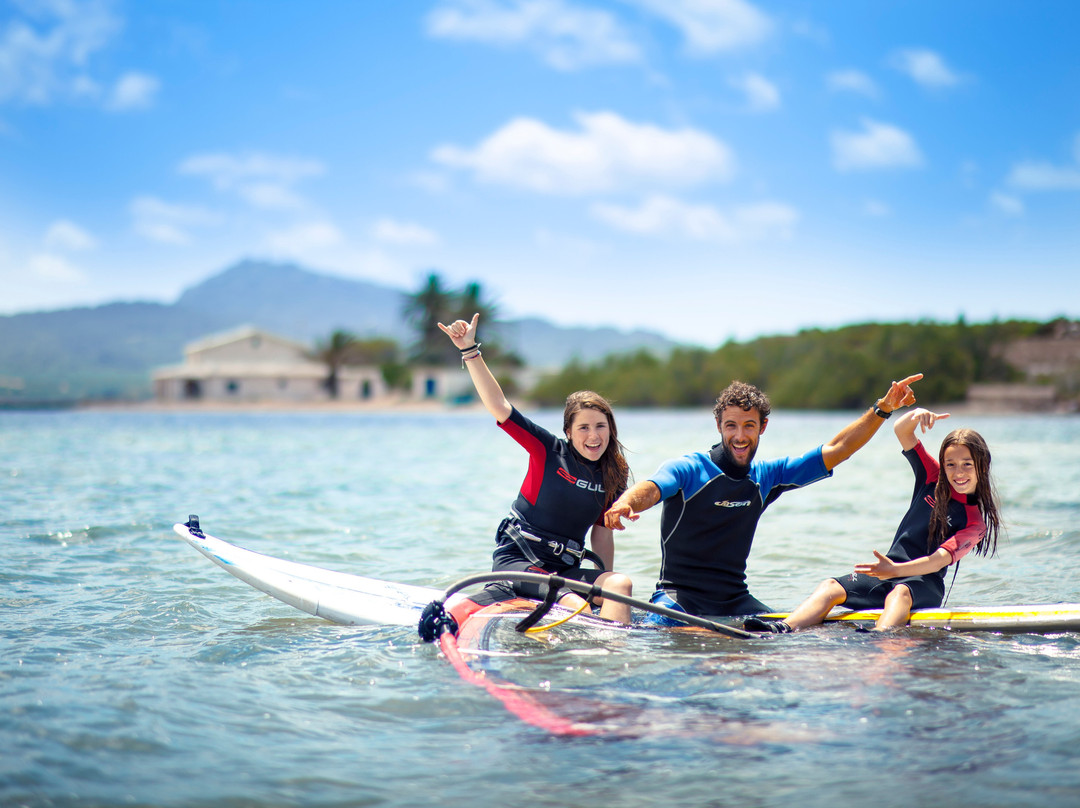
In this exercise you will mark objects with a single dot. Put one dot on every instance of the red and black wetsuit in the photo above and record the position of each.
(560, 500)
(965, 529)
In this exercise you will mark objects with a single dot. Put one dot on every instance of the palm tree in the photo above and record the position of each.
(472, 301)
(334, 353)
(434, 303)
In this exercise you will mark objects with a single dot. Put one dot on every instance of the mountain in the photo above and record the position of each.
(294, 302)
(109, 351)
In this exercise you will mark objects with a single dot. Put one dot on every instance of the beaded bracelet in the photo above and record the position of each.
(467, 357)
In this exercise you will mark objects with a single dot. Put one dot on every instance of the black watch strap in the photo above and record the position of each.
(880, 413)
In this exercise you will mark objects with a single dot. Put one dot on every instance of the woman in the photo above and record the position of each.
(953, 511)
(570, 483)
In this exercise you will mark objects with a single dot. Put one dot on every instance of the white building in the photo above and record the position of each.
(253, 366)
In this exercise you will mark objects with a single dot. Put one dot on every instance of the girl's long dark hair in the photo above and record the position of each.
(985, 493)
(613, 466)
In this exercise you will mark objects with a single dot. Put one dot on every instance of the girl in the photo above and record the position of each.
(569, 485)
(950, 515)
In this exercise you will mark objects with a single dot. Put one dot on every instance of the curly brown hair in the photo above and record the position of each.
(613, 465)
(746, 397)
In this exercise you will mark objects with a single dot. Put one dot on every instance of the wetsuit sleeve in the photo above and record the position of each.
(537, 441)
(785, 473)
(964, 540)
(526, 431)
(924, 466)
(686, 473)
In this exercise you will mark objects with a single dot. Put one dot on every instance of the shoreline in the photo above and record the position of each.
(439, 407)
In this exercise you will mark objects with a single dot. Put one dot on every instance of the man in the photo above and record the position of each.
(713, 500)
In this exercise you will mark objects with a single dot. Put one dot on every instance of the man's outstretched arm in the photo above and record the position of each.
(634, 500)
(856, 434)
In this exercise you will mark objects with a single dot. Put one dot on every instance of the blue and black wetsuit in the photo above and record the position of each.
(560, 500)
(710, 513)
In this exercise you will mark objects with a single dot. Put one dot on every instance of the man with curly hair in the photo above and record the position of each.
(713, 500)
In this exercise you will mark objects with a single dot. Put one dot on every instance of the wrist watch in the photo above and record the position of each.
(880, 413)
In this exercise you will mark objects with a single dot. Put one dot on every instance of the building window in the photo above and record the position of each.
(429, 387)
(232, 387)
(192, 389)
(365, 389)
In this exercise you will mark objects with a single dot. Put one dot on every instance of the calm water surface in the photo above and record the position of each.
(134, 672)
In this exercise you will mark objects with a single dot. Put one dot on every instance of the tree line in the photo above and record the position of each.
(813, 369)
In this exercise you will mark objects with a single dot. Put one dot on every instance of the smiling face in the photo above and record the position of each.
(589, 433)
(959, 467)
(740, 430)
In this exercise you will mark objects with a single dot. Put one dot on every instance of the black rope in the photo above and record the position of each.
(590, 590)
(956, 569)
(553, 587)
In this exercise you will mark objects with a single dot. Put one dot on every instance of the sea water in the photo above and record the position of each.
(134, 672)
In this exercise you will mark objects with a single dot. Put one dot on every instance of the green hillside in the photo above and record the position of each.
(814, 369)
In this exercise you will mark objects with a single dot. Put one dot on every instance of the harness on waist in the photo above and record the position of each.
(560, 549)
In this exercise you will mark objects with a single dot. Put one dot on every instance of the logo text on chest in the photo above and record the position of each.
(580, 483)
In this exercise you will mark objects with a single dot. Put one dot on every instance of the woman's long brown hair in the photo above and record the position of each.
(985, 493)
(613, 466)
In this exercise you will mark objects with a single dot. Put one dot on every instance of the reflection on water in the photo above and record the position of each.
(135, 672)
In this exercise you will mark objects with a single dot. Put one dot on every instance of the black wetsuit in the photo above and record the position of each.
(964, 530)
(711, 510)
(561, 498)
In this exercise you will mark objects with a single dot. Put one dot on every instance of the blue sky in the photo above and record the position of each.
(710, 169)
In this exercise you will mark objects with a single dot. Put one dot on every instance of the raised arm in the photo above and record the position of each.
(636, 499)
(856, 434)
(463, 335)
(910, 421)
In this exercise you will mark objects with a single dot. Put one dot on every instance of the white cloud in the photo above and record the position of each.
(878, 145)
(394, 232)
(566, 36)
(1042, 176)
(711, 26)
(45, 49)
(925, 67)
(1039, 175)
(269, 196)
(51, 267)
(167, 223)
(854, 81)
(304, 238)
(606, 153)
(68, 236)
(1004, 203)
(262, 180)
(761, 94)
(666, 216)
(133, 91)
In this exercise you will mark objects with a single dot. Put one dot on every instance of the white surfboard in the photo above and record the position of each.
(336, 596)
(356, 600)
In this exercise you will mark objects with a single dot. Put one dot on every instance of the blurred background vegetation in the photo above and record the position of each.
(843, 368)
